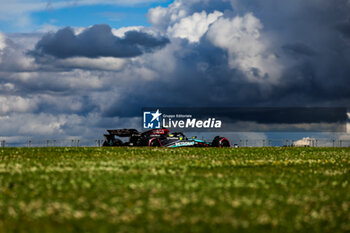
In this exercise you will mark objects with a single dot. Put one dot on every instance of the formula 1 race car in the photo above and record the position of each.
(159, 138)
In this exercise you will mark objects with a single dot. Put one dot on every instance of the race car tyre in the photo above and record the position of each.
(221, 142)
(224, 143)
(155, 142)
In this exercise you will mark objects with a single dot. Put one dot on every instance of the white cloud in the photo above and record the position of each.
(6, 87)
(194, 27)
(48, 28)
(2, 41)
(13, 59)
(12, 54)
(157, 15)
(2, 46)
(24, 76)
(34, 124)
(17, 7)
(24, 41)
(247, 50)
(44, 126)
(102, 63)
(48, 125)
(80, 79)
(10, 104)
(120, 32)
(162, 17)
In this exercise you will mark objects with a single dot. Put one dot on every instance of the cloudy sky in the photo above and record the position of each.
(75, 68)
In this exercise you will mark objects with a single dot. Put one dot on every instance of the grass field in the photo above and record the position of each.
(174, 190)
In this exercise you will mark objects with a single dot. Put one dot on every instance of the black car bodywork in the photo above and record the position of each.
(160, 138)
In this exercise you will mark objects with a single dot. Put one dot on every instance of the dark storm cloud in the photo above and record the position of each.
(202, 78)
(303, 30)
(97, 41)
(344, 28)
(299, 49)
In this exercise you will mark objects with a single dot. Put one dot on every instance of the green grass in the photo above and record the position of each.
(174, 190)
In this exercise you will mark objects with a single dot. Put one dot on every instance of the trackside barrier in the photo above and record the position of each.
(320, 142)
(65, 143)
(290, 143)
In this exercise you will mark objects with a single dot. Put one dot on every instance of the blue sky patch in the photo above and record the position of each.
(81, 16)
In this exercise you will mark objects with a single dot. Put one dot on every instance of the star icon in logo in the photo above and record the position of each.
(156, 115)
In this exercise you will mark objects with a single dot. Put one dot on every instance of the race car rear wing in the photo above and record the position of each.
(123, 132)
